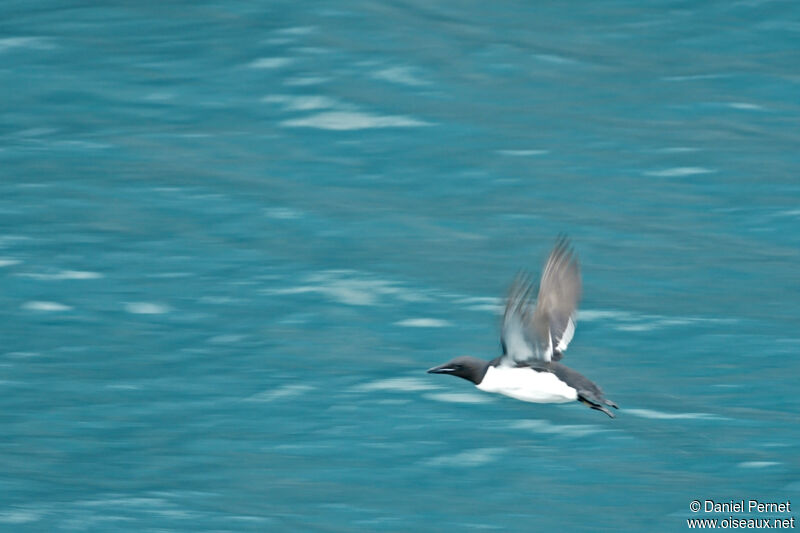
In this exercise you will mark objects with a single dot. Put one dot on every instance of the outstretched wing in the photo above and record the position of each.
(541, 332)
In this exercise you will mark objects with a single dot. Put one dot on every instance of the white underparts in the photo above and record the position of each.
(527, 385)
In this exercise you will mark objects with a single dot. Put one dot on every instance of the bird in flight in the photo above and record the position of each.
(535, 336)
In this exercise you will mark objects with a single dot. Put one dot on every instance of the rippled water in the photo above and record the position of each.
(233, 236)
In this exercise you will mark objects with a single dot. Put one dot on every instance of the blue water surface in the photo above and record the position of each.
(234, 235)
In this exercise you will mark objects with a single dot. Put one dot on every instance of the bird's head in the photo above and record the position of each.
(465, 366)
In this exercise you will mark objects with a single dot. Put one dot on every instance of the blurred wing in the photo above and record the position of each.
(522, 343)
(542, 332)
(559, 293)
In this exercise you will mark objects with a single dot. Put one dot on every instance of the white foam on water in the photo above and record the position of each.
(400, 75)
(566, 430)
(351, 293)
(181, 514)
(270, 62)
(588, 315)
(305, 81)
(280, 393)
(423, 323)
(219, 300)
(661, 415)
(483, 304)
(6, 239)
(678, 150)
(467, 458)
(283, 213)
(122, 386)
(678, 172)
(248, 518)
(554, 59)
(636, 327)
(459, 397)
(35, 132)
(523, 153)
(757, 464)
(45, 306)
(396, 384)
(681, 321)
(694, 77)
(353, 120)
(476, 299)
(159, 96)
(745, 106)
(312, 50)
(5, 262)
(171, 275)
(296, 30)
(140, 501)
(300, 103)
(627, 321)
(19, 516)
(146, 308)
(476, 525)
(494, 309)
(651, 322)
(23, 354)
(352, 288)
(300, 289)
(33, 43)
(155, 505)
(64, 274)
(226, 339)
(81, 145)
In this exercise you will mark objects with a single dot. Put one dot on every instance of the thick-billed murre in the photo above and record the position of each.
(534, 338)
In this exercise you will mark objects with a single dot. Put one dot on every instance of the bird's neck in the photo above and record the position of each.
(479, 371)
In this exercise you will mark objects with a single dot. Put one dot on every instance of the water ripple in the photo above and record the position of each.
(348, 121)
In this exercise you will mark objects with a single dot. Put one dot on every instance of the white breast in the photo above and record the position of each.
(527, 385)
